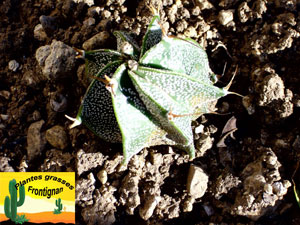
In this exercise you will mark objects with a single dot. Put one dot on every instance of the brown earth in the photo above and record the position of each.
(244, 179)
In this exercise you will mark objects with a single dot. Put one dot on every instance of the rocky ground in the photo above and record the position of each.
(246, 158)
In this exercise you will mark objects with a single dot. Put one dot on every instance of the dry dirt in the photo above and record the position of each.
(241, 175)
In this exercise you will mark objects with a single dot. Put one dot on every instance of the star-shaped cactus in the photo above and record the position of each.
(148, 96)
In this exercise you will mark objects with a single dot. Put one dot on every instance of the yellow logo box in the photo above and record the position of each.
(37, 197)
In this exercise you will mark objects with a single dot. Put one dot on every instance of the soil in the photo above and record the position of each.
(241, 174)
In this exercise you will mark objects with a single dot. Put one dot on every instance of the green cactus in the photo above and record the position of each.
(11, 204)
(148, 96)
(59, 206)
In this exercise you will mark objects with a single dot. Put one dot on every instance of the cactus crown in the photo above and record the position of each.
(148, 96)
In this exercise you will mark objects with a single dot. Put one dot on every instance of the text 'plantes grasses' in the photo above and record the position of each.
(148, 96)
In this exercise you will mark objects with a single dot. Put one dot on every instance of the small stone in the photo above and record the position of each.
(102, 176)
(56, 60)
(96, 41)
(204, 143)
(93, 11)
(279, 189)
(13, 65)
(89, 22)
(5, 94)
(272, 88)
(48, 23)
(188, 204)
(208, 209)
(57, 137)
(196, 11)
(247, 103)
(272, 160)
(4, 117)
(268, 188)
(58, 103)
(225, 17)
(204, 4)
(181, 25)
(36, 140)
(190, 32)
(106, 14)
(35, 116)
(31, 79)
(88, 2)
(244, 12)
(199, 129)
(5, 166)
(197, 182)
(148, 208)
(39, 33)
(23, 166)
(156, 159)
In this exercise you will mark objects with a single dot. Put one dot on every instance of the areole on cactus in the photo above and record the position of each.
(148, 96)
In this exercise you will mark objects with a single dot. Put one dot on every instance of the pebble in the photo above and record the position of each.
(59, 104)
(89, 22)
(4, 117)
(93, 11)
(204, 4)
(148, 208)
(96, 41)
(197, 182)
(272, 88)
(244, 12)
(106, 14)
(56, 60)
(36, 140)
(188, 205)
(13, 65)
(5, 166)
(196, 11)
(5, 94)
(88, 2)
(225, 17)
(57, 137)
(190, 32)
(249, 106)
(39, 33)
(48, 23)
(102, 176)
(199, 129)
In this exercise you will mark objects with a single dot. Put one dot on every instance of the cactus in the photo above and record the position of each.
(148, 96)
(59, 206)
(11, 204)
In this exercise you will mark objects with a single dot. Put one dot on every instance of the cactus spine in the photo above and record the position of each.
(11, 204)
